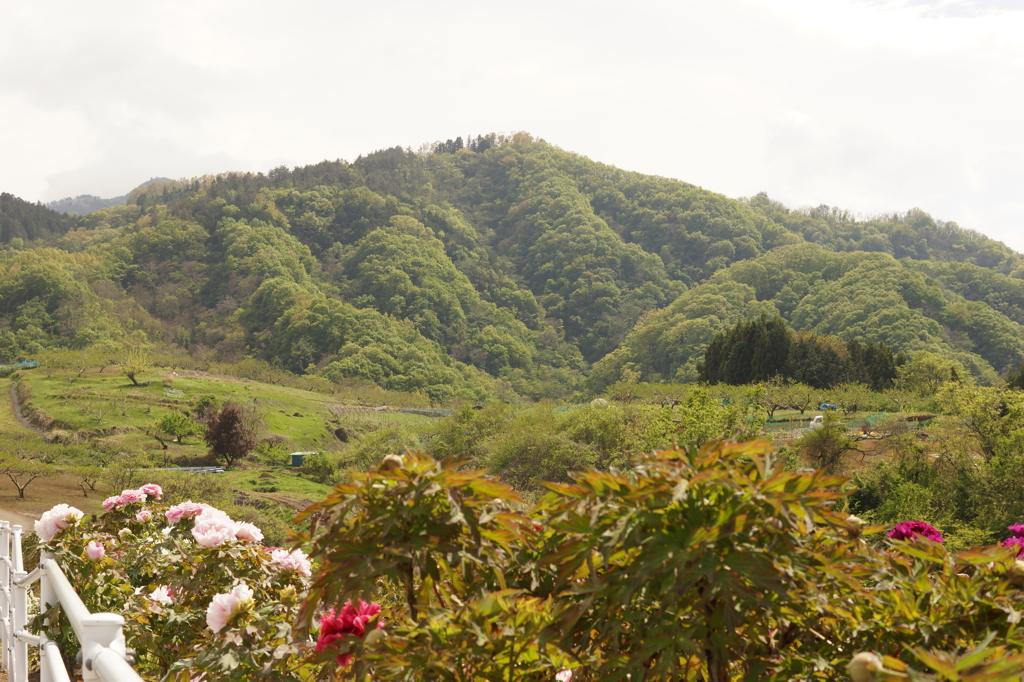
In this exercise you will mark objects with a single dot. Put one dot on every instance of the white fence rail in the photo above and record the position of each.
(103, 655)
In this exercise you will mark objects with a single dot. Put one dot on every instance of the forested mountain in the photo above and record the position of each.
(499, 267)
(21, 220)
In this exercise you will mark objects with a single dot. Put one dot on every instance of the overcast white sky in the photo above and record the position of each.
(870, 105)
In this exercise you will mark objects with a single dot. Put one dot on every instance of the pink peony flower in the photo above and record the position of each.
(213, 528)
(224, 606)
(162, 595)
(295, 560)
(1015, 541)
(153, 490)
(143, 516)
(185, 510)
(1017, 529)
(908, 530)
(56, 520)
(563, 675)
(95, 551)
(248, 532)
(132, 496)
(350, 621)
(112, 502)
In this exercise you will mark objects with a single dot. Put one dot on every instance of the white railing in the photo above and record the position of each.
(103, 654)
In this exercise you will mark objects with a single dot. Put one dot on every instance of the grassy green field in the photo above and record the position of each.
(94, 401)
(104, 411)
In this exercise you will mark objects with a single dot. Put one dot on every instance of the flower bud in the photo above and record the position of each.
(1016, 573)
(287, 596)
(857, 524)
(391, 462)
(864, 667)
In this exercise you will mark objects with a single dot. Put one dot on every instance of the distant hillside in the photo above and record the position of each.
(87, 203)
(20, 219)
(503, 266)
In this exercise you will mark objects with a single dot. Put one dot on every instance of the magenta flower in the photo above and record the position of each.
(908, 530)
(1017, 529)
(350, 621)
(1015, 541)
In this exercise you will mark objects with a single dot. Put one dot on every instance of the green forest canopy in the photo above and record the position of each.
(499, 267)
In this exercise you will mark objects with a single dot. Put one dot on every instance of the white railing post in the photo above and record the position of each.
(47, 598)
(5, 595)
(19, 655)
(103, 639)
(20, 672)
(16, 549)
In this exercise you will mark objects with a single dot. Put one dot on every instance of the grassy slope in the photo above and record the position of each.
(107, 400)
(104, 400)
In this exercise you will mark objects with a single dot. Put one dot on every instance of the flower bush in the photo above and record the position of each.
(199, 592)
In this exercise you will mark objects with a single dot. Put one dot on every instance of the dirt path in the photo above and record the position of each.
(17, 410)
(16, 519)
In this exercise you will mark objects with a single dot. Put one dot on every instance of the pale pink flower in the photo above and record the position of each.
(143, 516)
(95, 551)
(185, 510)
(224, 606)
(563, 675)
(56, 520)
(248, 532)
(124, 531)
(213, 528)
(132, 496)
(210, 535)
(295, 560)
(153, 490)
(112, 502)
(162, 595)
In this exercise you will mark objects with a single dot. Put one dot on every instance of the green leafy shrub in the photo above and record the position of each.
(707, 564)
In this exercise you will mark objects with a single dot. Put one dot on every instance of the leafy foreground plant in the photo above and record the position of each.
(707, 564)
(699, 564)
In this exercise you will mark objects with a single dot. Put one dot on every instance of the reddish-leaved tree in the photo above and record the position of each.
(228, 435)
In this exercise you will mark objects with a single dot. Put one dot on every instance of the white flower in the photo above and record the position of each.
(162, 595)
(56, 520)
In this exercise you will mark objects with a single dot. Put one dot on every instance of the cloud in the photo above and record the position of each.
(873, 105)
